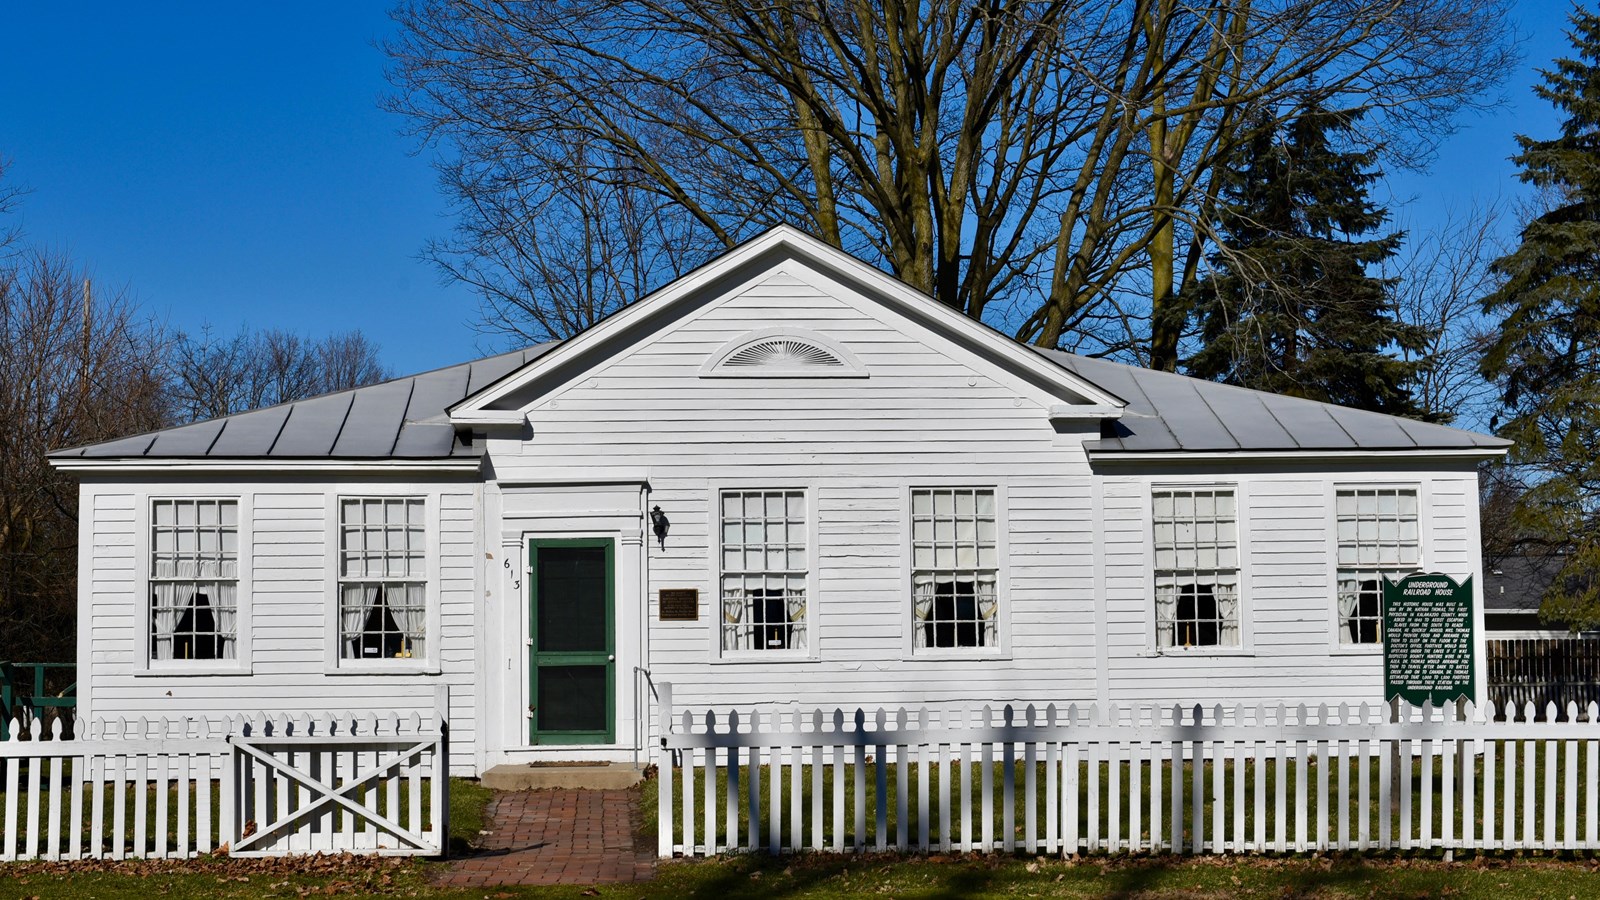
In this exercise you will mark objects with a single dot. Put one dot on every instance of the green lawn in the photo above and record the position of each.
(827, 876)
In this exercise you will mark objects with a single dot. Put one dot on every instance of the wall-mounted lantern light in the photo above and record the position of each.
(659, 523)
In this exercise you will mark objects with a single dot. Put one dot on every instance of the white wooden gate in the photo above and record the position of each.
(175, 788)
(359, 785)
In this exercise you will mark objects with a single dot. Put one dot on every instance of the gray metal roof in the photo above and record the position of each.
(1517, 584)
(1168, 412)
(399, 419)
(406, 419)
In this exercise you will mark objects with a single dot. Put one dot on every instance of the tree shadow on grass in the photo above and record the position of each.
(750, 876)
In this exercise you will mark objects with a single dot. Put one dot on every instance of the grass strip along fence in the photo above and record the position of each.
(1128, 780)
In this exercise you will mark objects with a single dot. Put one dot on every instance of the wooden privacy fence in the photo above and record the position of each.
(132, 789)
(1128, 779)
(1542, 671)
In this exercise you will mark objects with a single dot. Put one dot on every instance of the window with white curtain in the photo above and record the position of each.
(1378, 537)
(194, 579)
(764, 569)
(1197, 568)
(954, 563)
(383, 578)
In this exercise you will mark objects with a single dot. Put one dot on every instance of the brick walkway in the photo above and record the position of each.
(556, 837)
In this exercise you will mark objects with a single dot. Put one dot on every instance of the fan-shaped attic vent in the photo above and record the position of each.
(785, 352)
(782, 352)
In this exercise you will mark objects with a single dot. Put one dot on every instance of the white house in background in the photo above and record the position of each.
(865, 498)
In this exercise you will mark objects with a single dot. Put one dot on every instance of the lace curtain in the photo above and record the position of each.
(175, 583)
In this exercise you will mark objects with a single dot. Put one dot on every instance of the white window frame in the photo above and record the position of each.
(145, 663)
(813, 615)
(428, 664)
(1001, 649)
(1423, 487)
(1241, 524)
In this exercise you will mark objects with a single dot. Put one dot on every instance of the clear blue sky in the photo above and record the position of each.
(228, 163)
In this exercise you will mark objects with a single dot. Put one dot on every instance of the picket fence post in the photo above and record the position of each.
(664, 770)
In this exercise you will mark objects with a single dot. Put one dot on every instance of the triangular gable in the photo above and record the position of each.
(499, 402)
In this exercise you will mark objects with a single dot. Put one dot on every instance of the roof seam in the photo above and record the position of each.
(273, 445)
(405, 416)
(343, 421)
(214, 438)
(1407, 432)
(1279, 422)
(1224, 425)
(1354, 442)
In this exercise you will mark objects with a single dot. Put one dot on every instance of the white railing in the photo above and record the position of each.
(139, 789)
(1127, 779)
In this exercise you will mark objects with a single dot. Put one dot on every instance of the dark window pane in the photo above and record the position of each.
(380, 636)
(572, 598)
(572, 698)
(770, 609)
(1197, 624)
(1364, 624)
(195, 636)
(955, 616)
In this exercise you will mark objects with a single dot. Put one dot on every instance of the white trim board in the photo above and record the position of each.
(463, 465)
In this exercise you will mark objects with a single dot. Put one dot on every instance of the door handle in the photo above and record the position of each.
(611, 658)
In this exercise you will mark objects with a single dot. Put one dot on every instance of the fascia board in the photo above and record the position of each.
(462, 465)
(1086, 411)
(490, 418)
(1135, 458)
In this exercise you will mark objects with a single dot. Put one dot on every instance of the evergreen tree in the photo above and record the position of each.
(1290, 305)
(1546, 358)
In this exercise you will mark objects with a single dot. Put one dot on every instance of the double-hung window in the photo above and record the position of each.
(383, 578)
(1378, 537)
(764, 569)
(1197, 568)
(194, 579)
(954, 568)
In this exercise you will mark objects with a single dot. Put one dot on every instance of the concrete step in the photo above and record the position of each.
(538, 776)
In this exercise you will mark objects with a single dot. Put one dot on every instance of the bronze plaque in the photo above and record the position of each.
(680, 604)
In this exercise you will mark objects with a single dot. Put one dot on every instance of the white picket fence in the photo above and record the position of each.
(1138, 779)
(139, 789)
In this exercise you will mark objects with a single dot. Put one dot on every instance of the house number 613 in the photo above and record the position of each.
(516, 583)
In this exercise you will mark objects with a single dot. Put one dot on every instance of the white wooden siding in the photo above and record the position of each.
(931, 413)
(1077, 570)
(287, 562)
(1292, 651)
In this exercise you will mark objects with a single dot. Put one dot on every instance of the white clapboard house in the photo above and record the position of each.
(786, 477)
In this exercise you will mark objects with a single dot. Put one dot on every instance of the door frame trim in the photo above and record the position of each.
(535, 737)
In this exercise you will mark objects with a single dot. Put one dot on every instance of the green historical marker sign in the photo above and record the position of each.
(1428, 639)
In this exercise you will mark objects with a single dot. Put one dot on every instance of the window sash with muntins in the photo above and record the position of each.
(764, 570)
(1196, 567)
(1379, 536)
(383, 578)
(194, 579)
(954, 569)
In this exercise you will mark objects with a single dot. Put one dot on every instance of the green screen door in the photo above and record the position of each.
(572, 651)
